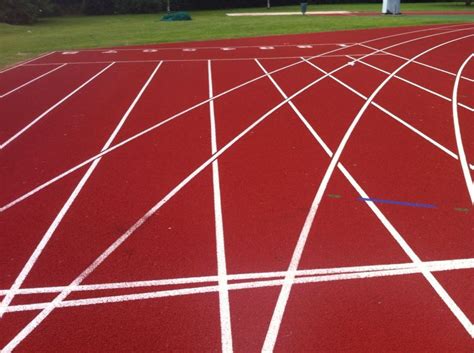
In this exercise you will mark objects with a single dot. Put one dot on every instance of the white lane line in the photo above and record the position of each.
(390, 114)
(224, 306)
(239, 286)
(439, 264)
(153, 127)
(31, 81)
(231, 46)
(195, 60)
(280, 307)
(23, 63)
(41, 116)
(457, 133)
(419, 63)
(413, 84)
(67, 205)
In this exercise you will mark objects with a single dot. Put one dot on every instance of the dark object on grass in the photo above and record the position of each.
(304, 7)
(177, 16)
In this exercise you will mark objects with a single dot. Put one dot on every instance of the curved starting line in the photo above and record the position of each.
(457, 133)
(289, 280)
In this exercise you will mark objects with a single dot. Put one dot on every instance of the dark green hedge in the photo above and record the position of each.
(24, 11)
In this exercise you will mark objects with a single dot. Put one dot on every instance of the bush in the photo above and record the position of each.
(23, 11)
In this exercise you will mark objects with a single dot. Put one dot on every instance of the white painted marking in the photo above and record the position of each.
(342, 45)
(280, 307)
(42, 115)
(194, 60)
(69, 52)
(67, 205)
(304, 46)
(189, 49)
(26, 62)
(390, 114)
(457, 133)
(420, 63)
(351, 63)
(224, 306)
(440, 265)
(110, 52)
(143, 132)
(290, 13)
(266, 48)
(150, 50)
(241, 285)
(227, 49)
(31, 81)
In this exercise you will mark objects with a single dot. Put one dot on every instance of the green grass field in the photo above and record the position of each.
(60, 33)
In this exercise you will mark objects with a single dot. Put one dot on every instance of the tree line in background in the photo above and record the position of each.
(28, 11)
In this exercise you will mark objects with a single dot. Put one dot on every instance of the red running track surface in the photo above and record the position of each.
(290, 193)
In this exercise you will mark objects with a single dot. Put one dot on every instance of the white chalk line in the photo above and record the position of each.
(451, 264)
(388, 271)
(224, 305)
(67, 205)
(158, 49)
(392, 115)
(31, 81)
(42, 115)
(24, 63)
(414, 84)
(280, 307)
(457, 133)
(153, 127)
(45, 313)
(250, 58)
(419, 63)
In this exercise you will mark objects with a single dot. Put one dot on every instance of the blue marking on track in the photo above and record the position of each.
(400, 203)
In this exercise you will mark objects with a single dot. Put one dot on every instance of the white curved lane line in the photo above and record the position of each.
(280, 307)
(390, 114)
(457, 133)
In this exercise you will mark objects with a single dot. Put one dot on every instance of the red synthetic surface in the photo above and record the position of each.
(268, 177)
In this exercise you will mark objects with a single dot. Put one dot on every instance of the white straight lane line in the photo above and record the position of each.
(390, 114)
(67, 205)
(236, 286)
(153, 127)
(419, 63)
(41, 116)
(444, 264)
(31, 81)
(224, 305)
(250, 58)
(24, 63)
(457, 133)
(45, 312)
(280, 307)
